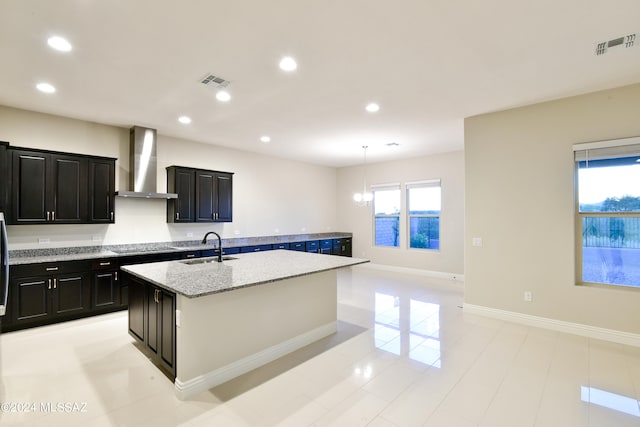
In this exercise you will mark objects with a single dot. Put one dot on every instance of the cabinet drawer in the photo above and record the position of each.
(52, 268)
(311, 246)
(230, 251)
(105, 264)
(297, 246)
(256, 248)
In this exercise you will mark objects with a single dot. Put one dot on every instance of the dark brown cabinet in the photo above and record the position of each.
(152, 321)
(51, 187)
(203, 195)
(48, 188)
(101, 190)
(213, 196)
(181, 181)
(4, 176)
(43, 294)
(105, 288)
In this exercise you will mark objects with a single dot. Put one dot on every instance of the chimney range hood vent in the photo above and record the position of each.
(143, 166)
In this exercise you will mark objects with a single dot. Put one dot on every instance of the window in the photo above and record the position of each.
(424, 201)
(608, 212)
(386, 208)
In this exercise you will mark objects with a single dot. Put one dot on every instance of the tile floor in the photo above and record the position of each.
(405, 355)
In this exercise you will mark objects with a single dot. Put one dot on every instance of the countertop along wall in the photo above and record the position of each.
(272, 196)
(520, 201)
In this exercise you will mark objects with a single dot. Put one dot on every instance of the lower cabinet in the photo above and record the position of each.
(152, 321)
(105, 289)
(38, 299)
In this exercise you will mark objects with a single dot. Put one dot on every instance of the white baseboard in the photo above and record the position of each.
(417, 271)
(612, 335)
(193, 386)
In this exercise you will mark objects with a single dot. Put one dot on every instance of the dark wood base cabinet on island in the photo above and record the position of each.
(152, 321)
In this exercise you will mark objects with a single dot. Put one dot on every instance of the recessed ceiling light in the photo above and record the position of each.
(265, 139)
(288, 64)
(59, 43)
(45, 87)
(372, 107)
(223, 96)
(184, 120)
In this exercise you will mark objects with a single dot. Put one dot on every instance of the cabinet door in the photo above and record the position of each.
(67, 198)
(184, 186)
(70, 294)
(101, 190)
(224, 199)
(205, 196)
(151, 318)
(137, 298)
(28, 189)
(30, 298)
(106, 289)
(4, 178)
(167, 329)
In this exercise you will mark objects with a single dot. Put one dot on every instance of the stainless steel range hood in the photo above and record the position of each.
(143, 165)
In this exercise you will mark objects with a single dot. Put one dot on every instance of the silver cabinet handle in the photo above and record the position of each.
(53, 215)
(48, 216)
(190, 255)
(49, 281)
(116, 275)
(111, 215)
(52, 268)
(55, 283)
(105, 263)
(177, 215)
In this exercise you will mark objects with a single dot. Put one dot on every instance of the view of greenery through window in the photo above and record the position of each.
(609, 210)
(423, 207)
(424, 216)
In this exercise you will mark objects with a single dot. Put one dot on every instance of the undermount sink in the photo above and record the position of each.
(207, 260)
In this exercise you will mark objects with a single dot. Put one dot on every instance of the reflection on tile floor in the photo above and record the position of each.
(405, 355)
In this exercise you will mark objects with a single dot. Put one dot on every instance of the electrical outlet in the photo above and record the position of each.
(189, 234)
(43, 240)
(476, 241)
(528, 296)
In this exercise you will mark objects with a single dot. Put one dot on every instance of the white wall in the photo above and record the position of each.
(449, 168)
(520, 201)
(271, 195)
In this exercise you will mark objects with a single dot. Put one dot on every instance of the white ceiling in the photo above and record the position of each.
(428, 63)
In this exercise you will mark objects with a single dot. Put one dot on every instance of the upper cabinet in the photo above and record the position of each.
(102, 180)
(50, 187)
(4, 178)
(181, 181)
(203, 195)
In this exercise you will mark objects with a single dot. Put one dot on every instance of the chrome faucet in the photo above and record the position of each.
(204, 242)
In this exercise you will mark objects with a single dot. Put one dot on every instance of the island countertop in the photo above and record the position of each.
(197, 278)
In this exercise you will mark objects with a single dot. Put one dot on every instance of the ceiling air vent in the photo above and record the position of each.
(214, 81)
(619, 43)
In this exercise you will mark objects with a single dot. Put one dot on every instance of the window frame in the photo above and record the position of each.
(387, 187)
(422, 184)
(609, 149)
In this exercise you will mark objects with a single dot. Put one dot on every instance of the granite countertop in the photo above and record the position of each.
(36, 256)
(250, 269)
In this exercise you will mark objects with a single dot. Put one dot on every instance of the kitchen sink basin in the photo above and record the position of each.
(207, 260)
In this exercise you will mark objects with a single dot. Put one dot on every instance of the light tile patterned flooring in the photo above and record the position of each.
(405, 355)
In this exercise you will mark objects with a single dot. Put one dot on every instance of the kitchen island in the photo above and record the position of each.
(206, 322)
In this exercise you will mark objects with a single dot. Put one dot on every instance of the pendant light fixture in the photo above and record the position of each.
(365, 197)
